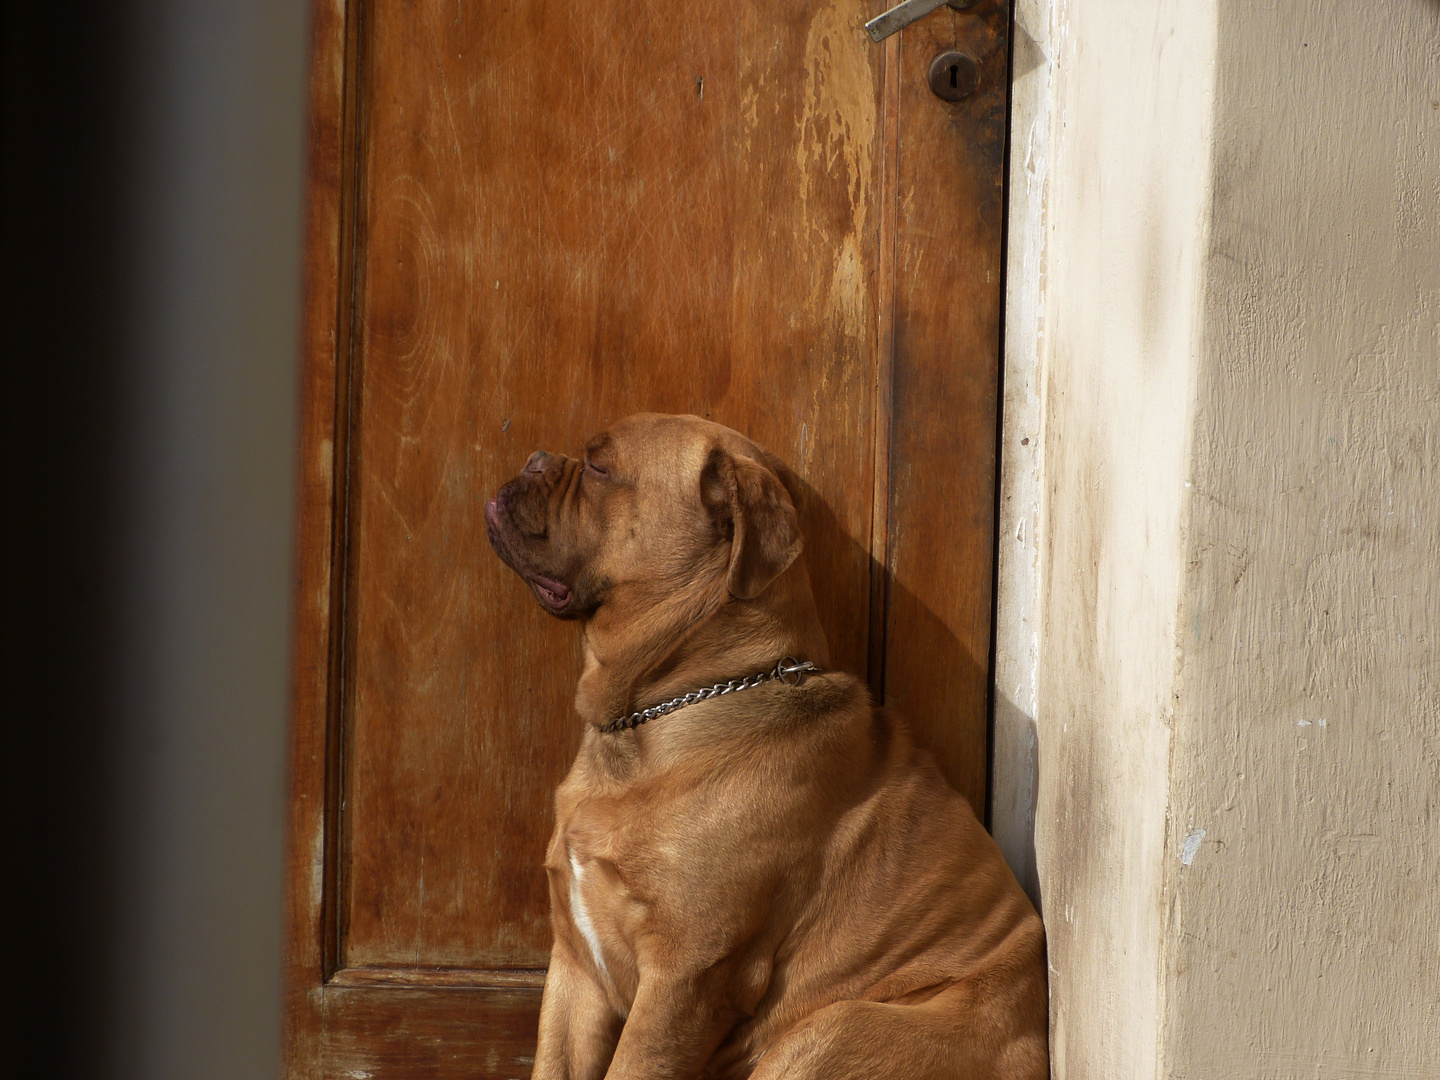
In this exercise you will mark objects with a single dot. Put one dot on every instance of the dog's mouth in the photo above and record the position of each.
(553, 594)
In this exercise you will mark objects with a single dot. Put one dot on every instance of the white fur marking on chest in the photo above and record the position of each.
(581, 915)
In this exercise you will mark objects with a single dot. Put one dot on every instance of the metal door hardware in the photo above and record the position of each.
(954, 75)
(903, 14)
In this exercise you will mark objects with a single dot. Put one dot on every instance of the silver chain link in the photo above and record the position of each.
(789, 671)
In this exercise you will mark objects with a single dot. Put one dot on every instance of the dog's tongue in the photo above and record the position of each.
(554, 593)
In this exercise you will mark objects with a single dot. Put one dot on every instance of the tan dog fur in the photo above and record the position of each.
(775, 883)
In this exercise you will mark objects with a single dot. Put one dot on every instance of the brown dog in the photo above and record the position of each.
(769, 883)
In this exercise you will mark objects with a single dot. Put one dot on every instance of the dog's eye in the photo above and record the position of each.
(595, 470)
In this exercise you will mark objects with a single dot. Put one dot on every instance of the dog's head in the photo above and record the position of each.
(656, 507)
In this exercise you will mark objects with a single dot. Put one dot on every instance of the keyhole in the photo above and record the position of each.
(953, 75)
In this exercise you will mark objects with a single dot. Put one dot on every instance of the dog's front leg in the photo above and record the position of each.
(673, 1029)
(578, 1028)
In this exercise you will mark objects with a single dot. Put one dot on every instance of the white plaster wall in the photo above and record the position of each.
(1303, 937)
(1225, 528)
(1014, 747)
(1125, 243)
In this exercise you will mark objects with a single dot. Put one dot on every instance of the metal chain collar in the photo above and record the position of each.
(789, 671)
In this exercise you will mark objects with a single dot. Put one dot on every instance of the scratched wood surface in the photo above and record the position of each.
(941, 535)
(374, 1033)
(527, 221)
(570, 214)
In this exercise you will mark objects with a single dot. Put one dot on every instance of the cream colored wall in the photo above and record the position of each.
(1014, 747)
(1220, 628)
(1307, 744)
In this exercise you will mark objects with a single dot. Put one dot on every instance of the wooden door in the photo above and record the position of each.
(527, 220)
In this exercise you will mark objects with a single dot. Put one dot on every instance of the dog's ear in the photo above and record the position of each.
(750, 505)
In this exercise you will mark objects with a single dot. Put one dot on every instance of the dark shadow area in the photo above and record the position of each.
(1015, 807)
(825, 535)
(1026, 54)
(149, 218)
(61, 222)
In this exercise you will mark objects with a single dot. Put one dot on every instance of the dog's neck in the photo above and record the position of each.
(647, 649)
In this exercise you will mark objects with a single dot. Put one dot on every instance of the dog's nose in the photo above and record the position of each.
(538, 461)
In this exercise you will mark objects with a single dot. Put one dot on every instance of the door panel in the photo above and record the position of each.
(566, 220)
(942, 411)
(529, 220)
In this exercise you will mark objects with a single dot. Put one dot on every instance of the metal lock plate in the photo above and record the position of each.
(954, 75)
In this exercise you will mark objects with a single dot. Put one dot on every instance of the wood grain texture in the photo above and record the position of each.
(944, 399)
(524, 223)
(436, 1034)
(310, 858)
(567, 220)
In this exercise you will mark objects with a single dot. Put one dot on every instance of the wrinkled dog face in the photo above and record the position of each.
(629, 510)
(657, 503)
